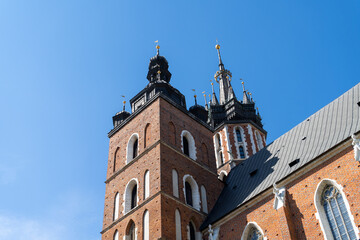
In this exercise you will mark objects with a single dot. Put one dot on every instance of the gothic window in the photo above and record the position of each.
(191, 231)
(259, 140)
(131, 195)
(175, 183)
(116, 235)
(178, 224)
(204, 199)
(252, 232)
(146, 226)
(188, 144)
(240, 143)
(241, 151)
(188, 192)
(134, 197)
(130, 234)
(132, 150)
(337, 214)
(116, 156)
(191, 192)
(116, 206)
(147, 135)
(218, 150)
(238, 135)
(146, 184)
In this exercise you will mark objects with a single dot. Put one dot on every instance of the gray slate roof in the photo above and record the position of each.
(319, 133)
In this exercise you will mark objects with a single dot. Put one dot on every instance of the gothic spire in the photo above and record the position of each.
(246, 99)
(214, 100)
(223, 77)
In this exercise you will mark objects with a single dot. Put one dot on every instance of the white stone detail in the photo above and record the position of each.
(175, 183)
(116, 206)
(127, 195)
(130, 147)
(178, 224)
(146, 227)
(356, 144)
(321, 215)
(251, 138)
(227, 141)
(279, 199)
(204, 199)
(222, 175)
(147, 184)
(191, 141)
(259, 140)
(195, 191)
(213, 233)
(116, 235)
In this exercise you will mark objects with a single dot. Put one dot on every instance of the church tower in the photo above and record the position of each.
(165, 161)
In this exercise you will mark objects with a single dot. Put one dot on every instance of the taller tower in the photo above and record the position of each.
(162, 177)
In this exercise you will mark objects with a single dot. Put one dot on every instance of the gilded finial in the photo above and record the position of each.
(124, 105)
(217, 46)
(157, 47)
(204, 97)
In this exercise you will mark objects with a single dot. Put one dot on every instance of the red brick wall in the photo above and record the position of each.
(300, 201)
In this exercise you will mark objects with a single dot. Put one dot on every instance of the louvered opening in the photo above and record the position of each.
(253, 173)
(358, 104)
(303, 138)
(293, 163)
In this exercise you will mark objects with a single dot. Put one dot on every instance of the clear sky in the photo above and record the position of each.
(65, 64)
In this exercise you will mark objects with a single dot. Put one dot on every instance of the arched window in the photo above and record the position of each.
(116, 206)
(178, 224)
(130, 231)
(252, 232)
(333, 210)
(188, 144)
(175, 183)
(191, 231)
(147, 184)
(191, 192)
(116, 235)
(146, 228)
(132, 147)
(116, 156)
(218, 150)
(259, 140)
(204, 199)
(131, 195)
(240, 143)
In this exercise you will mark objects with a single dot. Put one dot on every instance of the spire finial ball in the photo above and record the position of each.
(157, 47)
(217, 46)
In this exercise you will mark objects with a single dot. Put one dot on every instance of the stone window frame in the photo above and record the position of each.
(128, 195)
(191, 141)
(146, 225)
(116, 206)
(222, 174)
(240, 144)
(249, 226)
(146, 184)
(116, 235)
(259, 140)
(219, 149)
(195, 191)
(320, 212)
(175, 182)
(130, 147)
(204, 203)
(178, 224)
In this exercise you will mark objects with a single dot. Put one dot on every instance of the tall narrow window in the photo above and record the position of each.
(241, 151)
(219, 140)
(175, 183)
(204, 199)
(147, 184)
(178, 224)
(188, 192)
(238, 135)
(116, 235)
(191, 231)
(221, 157)
(186, 146)
(259, 140)
(337, 214)
(218, 150)
(134, 197)
(146, 226)
(131, 233)
(116, 206)
(116, 156)
(135, 149)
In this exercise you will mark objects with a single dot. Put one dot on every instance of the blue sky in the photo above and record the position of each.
(65, 64)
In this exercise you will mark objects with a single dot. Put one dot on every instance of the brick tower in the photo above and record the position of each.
(165, 161)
